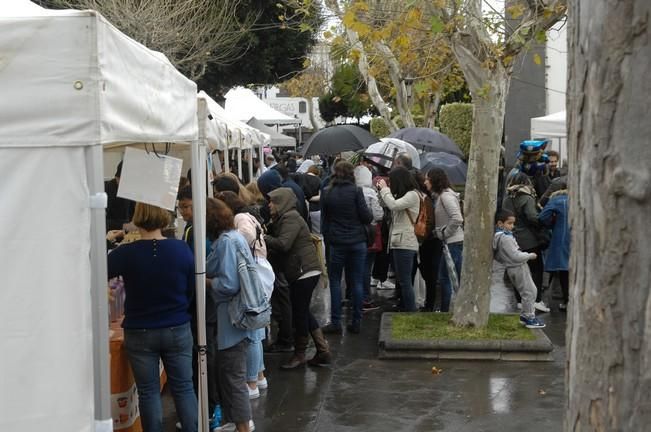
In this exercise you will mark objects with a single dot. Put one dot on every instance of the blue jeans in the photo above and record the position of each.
(352, 257)
(403, 265)
(174, 346)
(456, 251)
(254, 361)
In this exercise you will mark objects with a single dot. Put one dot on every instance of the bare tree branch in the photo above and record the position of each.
(191, 33)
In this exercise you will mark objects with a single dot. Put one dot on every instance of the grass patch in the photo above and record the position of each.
(436, 326)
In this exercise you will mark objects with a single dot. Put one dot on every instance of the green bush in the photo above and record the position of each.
(455, 120)
(379, 127)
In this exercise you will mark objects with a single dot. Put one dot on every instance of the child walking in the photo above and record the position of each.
(507, 253)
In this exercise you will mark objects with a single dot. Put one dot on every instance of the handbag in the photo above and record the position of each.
(371, 232)
(376, 244)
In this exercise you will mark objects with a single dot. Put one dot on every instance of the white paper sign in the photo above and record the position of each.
(150, 178)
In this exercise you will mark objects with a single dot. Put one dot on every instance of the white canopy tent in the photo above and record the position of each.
(277, 139)
(71, 84)
(242, 104)
(225, 133)
(553, 127)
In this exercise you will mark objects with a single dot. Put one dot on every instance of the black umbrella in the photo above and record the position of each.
(454, 167)
(428, 140)
(337, 139)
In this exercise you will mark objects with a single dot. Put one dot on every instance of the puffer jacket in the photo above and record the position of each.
(344, 214)
(401, 234)
(521, 200)
(289, 237)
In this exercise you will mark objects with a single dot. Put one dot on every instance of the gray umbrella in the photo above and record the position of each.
(428, 140)
(337, 139)
(454, 167)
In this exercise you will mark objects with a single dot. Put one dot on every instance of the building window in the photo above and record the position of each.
(302, 107)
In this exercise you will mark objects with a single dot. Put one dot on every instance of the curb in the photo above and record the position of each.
(538, 349)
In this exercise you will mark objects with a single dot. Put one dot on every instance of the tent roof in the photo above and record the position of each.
(221, 128)
(242, 104)
(277, 139)
(70, 78)
(550, 126)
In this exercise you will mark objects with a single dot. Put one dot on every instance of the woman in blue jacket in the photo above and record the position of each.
(557, 261)
(232, 343)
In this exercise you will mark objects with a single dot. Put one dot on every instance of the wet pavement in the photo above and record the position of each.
(361, 393)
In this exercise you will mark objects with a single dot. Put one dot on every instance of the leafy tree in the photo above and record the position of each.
(277, 46)
(402, 61)
(347, 97)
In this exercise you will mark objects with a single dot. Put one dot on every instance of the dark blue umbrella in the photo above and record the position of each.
(337, 139)
(454, 167)
(428, 140)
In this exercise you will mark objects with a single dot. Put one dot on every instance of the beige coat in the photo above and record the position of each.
(401, 235)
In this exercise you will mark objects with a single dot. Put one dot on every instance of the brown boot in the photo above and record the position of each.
(322, 356)
(298, 359)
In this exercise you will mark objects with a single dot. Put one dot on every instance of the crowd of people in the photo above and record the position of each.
(368, 218)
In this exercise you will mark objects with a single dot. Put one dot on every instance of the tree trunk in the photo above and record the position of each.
(371, 84)
(395, 73)
(609, 318)
(489, 89)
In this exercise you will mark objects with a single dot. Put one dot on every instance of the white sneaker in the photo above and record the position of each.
(374, 282)
(386, 285)
(230, 427)
(263, 384)
(253, 393)
(541, 306)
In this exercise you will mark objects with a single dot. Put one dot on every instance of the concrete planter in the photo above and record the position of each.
(538, 349)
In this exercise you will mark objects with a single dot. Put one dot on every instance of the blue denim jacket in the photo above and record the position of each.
(221, 266)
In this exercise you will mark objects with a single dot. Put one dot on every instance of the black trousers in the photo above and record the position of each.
(430, 257)
(281, 310)
(301, 296)
(564, 279)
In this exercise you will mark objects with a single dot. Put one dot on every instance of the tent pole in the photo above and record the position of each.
(198, 150)
(239, 161)
(227, 156)
(99, 278)
(251, 162)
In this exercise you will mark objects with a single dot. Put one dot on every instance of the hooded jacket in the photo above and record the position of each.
(364, 179)
(506, 250)
(521, 200)
(289, 237)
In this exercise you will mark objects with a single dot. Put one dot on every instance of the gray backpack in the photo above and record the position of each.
(250, 308)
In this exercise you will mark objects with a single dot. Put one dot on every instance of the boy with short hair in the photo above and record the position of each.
(507, 253)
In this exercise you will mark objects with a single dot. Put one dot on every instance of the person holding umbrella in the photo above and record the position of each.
(449, 229)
